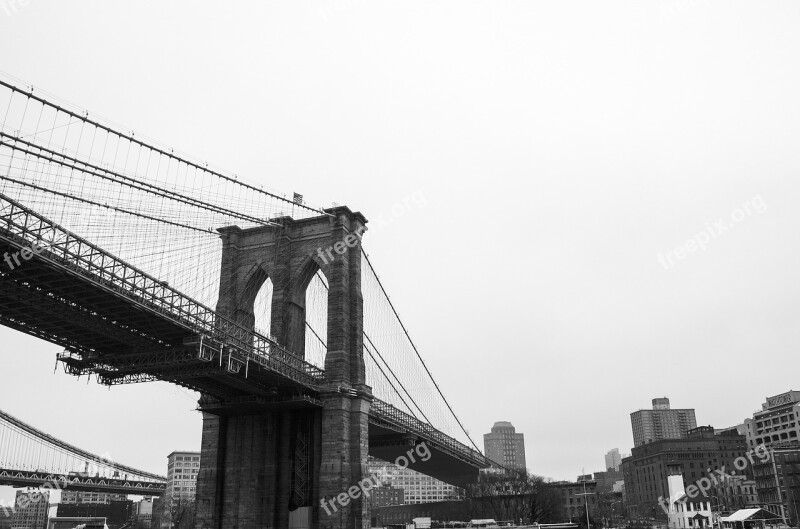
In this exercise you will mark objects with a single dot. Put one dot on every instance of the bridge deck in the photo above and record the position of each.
(26, 478)
(125, 325)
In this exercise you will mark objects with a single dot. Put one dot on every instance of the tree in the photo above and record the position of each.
(609, 508)
(176, 510)
(513, 495)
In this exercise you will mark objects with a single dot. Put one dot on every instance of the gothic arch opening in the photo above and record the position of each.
(312, 291)
(258, 294)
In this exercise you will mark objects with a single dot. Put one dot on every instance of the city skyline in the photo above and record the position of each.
(610, 165)
(7, 493)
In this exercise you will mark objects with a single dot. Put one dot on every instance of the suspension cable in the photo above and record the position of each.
(416, 350)
(379, 366)
(93, 203)
(131, 139)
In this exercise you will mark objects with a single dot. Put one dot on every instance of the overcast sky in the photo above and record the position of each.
(572, 155)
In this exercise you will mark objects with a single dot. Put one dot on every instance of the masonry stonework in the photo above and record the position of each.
(270, 468)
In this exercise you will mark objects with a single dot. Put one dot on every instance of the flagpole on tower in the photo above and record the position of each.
(298, 199)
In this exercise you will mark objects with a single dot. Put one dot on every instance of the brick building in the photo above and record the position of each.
(784, 464)
(575, 496)
(386, 495)
(697, 456)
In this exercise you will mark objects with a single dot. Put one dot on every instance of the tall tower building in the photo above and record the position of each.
(505, 446)
(613, 459)
(182, 469)
(661, 422)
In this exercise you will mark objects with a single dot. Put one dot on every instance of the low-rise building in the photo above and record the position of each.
(386, 495)
(72, 497)
(61, 522)
(575, 496)
(683, 511)
(115, 513)
(606, 481)
(144, 513)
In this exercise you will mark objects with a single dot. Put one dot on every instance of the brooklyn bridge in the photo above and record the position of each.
(146, 265)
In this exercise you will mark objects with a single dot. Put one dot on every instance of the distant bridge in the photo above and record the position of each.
(32, 458)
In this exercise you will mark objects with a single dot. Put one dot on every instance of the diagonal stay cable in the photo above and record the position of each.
(120, 179)
(93, 203)
(85, 119)
(395, 377)
(366, 257)
(379, 366)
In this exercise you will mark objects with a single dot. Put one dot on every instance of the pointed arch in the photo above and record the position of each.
(311, 293)
(256, 300)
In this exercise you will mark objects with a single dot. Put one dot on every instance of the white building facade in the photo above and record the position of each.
(685, 512)
(182, 469)
(417, 487)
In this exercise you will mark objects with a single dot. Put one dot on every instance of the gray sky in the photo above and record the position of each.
(560, 147)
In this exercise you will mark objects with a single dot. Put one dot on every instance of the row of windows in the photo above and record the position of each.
(773, 420)
(187, 458)
(184, 465)
(777, 437)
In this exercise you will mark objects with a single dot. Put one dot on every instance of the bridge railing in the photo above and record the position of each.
(24, 227)
(388, 413)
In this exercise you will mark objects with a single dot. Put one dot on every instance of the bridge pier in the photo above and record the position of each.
(275, 468)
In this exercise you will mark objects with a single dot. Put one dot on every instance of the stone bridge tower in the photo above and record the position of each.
(268, 463)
